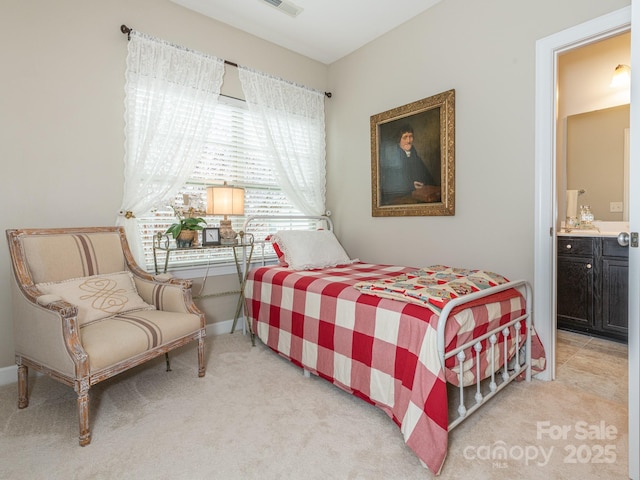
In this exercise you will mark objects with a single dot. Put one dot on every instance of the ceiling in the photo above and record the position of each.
(325, 30)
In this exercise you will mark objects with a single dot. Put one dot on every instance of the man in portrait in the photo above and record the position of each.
(404, 176)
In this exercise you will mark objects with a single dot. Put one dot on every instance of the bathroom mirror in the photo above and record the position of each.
(597, 161)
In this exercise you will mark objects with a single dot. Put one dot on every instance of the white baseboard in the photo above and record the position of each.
(9, 374)
(220, 328)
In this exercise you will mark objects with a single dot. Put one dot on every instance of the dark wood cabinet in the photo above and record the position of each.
(576, 283)
(615, 288)
(592, 286)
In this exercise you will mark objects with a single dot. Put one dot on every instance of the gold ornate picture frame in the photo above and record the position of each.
(413, 158)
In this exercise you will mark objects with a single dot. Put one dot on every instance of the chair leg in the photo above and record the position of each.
(201, 366)
(23, 386)
(83, 416)
(167, 361)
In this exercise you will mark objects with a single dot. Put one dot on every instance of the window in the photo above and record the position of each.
(233, 154)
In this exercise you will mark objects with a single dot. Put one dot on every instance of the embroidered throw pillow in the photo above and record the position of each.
(98, 296)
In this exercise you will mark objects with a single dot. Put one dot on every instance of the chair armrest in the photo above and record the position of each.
(48, 333)
(163, 277)
(171, 295)
(57, 304)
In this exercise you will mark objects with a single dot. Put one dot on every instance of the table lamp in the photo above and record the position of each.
(225, 200)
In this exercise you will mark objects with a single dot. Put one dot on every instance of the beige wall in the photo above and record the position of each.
(61, 128)
(61, 111)
(486, 52)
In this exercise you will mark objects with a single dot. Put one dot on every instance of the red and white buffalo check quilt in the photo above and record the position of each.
(379, 349)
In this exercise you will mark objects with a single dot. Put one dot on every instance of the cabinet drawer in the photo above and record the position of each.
(575, 246)
(611, 248)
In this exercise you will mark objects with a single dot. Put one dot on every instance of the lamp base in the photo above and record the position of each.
(227, 234)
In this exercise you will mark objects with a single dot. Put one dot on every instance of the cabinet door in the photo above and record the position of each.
(575, 299)
(615, 296)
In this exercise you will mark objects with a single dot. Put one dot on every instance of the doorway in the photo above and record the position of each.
(592, 114)
(546, 205)
(546, 178)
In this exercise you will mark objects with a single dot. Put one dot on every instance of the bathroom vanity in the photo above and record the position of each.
(592, 284)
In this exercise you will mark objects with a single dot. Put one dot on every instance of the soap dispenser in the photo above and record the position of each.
(586, 215)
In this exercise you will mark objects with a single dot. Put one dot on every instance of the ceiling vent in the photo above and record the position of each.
(286, 7)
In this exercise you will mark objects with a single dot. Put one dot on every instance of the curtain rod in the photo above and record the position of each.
(127, 31)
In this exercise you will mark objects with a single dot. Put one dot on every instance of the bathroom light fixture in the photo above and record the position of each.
(621, 76)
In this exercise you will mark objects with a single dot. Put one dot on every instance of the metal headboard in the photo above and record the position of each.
(254, 218)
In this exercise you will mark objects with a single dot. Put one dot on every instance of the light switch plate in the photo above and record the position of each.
(615, 206)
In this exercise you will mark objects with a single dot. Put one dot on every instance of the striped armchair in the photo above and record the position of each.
(84, 311)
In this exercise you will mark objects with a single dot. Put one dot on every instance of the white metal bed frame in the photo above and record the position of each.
(521, 362)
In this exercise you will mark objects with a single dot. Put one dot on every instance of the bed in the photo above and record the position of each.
(362, 327)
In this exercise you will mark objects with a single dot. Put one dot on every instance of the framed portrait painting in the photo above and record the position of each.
(413, 158)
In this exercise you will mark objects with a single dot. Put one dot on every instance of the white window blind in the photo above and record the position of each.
(233, 154)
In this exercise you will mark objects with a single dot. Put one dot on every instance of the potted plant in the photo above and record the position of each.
(185, 231)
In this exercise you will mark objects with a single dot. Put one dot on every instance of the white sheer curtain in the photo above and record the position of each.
(170, 98)
(294, 135)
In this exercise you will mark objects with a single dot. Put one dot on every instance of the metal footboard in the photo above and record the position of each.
(506, 375)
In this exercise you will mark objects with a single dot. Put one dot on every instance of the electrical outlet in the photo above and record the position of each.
(615, 206)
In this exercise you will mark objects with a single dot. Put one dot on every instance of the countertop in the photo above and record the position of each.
(600, 229)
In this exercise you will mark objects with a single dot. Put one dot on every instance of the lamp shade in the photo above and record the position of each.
(225, 200)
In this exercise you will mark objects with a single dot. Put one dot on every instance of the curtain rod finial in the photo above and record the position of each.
(127, 30)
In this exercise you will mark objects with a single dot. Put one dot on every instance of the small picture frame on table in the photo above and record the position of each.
(210, 236)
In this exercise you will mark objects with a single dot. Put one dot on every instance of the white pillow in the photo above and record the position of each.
(309, 249)
(98, 296)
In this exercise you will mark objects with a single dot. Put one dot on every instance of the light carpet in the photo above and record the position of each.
(254, 415)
